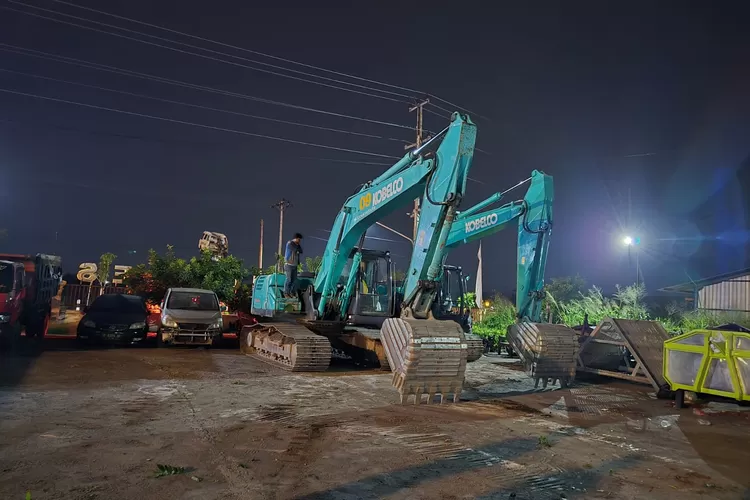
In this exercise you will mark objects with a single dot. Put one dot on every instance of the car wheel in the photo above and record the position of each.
(159, 339)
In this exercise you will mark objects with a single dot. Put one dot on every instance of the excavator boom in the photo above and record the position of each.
(548, 350)
(441, 180)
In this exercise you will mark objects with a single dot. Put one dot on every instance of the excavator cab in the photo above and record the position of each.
(450, 304)
(373, 298)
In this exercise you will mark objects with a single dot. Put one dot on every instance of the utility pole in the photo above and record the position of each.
(281, 205)
(418, 107)
(260, 253)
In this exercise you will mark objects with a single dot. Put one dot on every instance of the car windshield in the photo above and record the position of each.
(118, 303)
(194, 301)
(6, 278)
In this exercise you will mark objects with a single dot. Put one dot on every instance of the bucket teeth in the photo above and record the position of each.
(426, 357)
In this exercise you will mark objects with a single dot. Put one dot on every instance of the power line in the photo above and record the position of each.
(354, 77)
(238, 113)
(210, 127)
(145, 76)
(347, 161)
(212, 58)
(224, 53)
(36, 124)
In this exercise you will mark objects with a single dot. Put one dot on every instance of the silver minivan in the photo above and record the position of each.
(190, 316)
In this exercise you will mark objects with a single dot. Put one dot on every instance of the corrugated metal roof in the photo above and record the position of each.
(692, 286)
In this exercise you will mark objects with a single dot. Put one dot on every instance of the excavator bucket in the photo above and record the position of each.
(475, 346)
(427, 357)
(547, 351)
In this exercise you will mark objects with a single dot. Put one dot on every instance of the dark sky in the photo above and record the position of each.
(640, 111)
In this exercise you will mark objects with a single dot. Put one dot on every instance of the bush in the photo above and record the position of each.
(627, 303)
(500, 315)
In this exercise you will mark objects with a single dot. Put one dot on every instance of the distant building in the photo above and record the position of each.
(728, 292)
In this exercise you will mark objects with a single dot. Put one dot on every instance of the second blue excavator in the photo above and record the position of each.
(547, 350)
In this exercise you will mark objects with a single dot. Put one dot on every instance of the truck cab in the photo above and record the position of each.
(12, 295)
(27, 285)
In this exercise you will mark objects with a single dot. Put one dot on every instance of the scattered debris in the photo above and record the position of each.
(168, 470)
(544, 442)
(703, 421)
(196, 479)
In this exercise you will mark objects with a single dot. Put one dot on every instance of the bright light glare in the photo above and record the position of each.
(627, 240)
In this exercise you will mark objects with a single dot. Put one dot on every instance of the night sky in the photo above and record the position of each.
(640, 111)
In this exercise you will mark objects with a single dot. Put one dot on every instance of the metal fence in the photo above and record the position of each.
(79, 296)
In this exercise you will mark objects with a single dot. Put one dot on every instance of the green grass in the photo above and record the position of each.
(627, 303)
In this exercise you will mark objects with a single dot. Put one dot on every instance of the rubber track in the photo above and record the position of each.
(475, 346)
(426, 357)
(547, 351)
(286, 345)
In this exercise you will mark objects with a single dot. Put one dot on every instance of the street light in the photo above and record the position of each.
(629, 242)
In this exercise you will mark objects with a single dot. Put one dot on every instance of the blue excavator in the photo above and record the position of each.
(548, 351)
(352, 307)
(345, 307)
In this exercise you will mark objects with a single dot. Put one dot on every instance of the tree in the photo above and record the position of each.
(105, 264)
(566, 288)
(223, 276)
(313, 264)
(279, 264)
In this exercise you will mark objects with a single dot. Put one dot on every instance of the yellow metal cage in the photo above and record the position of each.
(710, 362)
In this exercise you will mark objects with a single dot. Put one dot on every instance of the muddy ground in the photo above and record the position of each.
(94, 424)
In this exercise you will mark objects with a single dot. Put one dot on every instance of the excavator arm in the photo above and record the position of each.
(441, 179)
(534, 216)
(547, 350)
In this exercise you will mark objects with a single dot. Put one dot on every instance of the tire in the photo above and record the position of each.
(38, 326)
(10, 340)
(245, 338)
(159, 340)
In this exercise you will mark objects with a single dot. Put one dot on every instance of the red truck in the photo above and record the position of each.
(27, 285)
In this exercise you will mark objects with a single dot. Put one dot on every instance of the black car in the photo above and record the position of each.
(116, 319)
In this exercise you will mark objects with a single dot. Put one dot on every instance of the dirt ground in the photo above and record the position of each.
(94, 424)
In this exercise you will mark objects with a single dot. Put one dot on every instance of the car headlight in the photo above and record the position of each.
(138, 326)
(218, 324)
(4, 318)
(168, 322)
(89, 324)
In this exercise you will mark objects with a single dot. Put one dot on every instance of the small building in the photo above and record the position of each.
(728, 292)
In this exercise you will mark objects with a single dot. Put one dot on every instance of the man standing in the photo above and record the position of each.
(291, 262)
